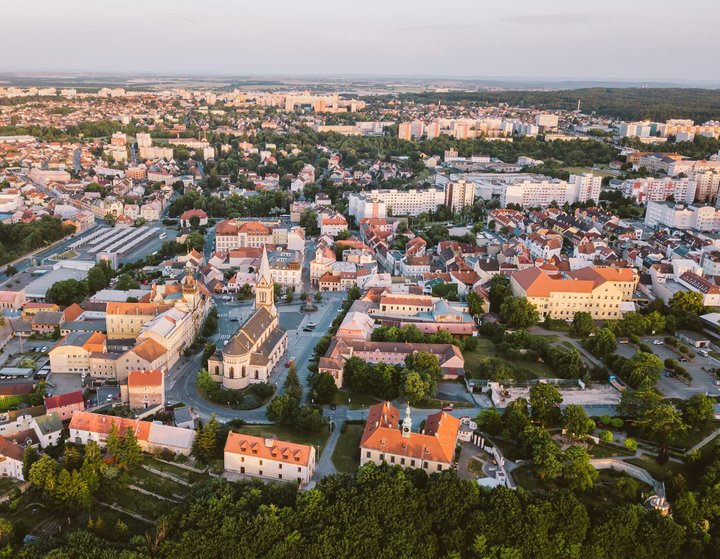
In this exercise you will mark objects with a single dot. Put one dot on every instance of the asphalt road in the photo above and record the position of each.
(180, 383)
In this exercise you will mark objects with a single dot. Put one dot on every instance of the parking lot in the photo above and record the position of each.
(703, 381)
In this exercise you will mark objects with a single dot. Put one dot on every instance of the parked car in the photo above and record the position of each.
(449, 407)
(658, 342)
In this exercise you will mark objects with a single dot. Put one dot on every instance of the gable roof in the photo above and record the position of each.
(10, 449)
(63, 400)
(382, 433)
(269, 449)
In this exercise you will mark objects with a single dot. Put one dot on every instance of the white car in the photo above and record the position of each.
(312, 324)
(658, 342)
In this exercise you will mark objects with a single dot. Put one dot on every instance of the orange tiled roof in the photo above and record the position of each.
(437, 443)
(98, 423)
(72, 312)
(149, 350)
(145, 378)
(269, 449)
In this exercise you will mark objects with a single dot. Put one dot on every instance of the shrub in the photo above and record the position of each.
(630, 444)
(683, 349)
(617, 423)
(262, 389)
(606, 436)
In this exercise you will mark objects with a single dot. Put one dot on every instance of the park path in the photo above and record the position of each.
(325, 466)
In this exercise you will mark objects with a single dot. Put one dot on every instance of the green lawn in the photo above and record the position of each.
(355, 400)
(661, 472)
(177, 471)
(607, 451)
(283, 433)
(158, 484)
(346, 456)
(139, 503)
(509, 449)
(486, 348)
(526, 478)
(475, 468)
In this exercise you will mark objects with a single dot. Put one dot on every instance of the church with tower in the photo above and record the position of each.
(388, 439)
(257, 347)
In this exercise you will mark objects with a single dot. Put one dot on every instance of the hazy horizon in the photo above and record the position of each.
(559, 40)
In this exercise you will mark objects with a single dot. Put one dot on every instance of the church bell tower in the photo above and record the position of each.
(265, 287)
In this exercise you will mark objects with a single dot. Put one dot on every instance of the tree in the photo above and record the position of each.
(11, 270)
(605, 436)
(642, 367)
(576, 421)
(577, 470)
(415, 388)
(130, 453)
(603, 343)
(516, 417)
(686, 303)
(113, 443)
(545, 402)
(43, 474)
(635, 402)
(698, 410)
(125, 282)
(28, 363)
(499, 291)
(67, 292)
(518, 312)
(292, 384)
(205, 444)
(30, 456)
(490, 421)
(662, 423)
(195, 240)
(475, 304)
(282, 409)
(99, 276)
(324, 388)
(318, 297)
(582, 325)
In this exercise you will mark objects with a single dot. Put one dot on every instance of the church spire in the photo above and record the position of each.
(264, 271)
(265, 286)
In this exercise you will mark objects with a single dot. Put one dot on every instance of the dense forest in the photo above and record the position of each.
(631, 103)
(385, 512)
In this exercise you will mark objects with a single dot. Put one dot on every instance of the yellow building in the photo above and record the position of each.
(598, 291)
(124, 321)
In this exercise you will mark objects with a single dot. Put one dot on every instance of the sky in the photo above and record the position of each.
(577, 39)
